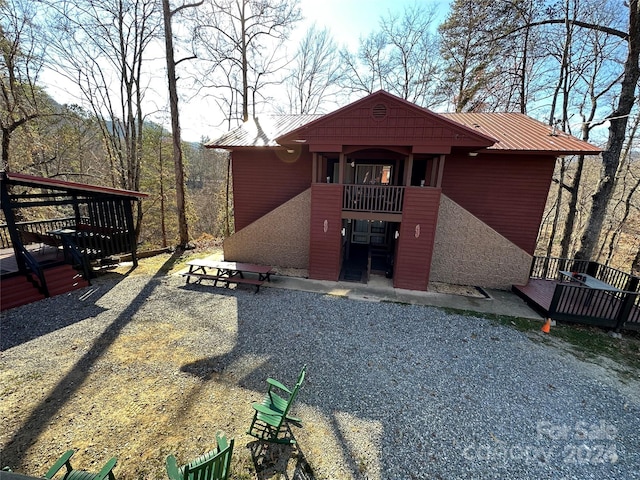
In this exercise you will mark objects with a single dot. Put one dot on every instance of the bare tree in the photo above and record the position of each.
(183, 227)
(21, 100)
(315, 73)
(582, 71)
(236, 36)
(366, 72)
(618, 121)
(100, 46)
(625, 100)
(629, 178)
(400, 57)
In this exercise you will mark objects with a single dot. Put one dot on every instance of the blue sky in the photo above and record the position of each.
(349, 20)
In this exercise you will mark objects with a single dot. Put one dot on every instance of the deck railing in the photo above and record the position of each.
(373, 198)
(39, 226)
(605, 308)
(577, 303)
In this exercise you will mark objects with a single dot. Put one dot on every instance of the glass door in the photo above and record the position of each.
(373, 174)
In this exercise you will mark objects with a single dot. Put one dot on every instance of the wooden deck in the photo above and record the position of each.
(584, 305)
(44, 254)
(537, 293)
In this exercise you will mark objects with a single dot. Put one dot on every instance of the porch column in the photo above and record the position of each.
(408, 163)
(440, 171)
(341, 169)
(314, 167)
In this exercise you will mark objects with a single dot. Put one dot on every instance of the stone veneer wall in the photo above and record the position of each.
(469, 252)
(279, 238)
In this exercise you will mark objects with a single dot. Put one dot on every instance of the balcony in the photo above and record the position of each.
(373, 198)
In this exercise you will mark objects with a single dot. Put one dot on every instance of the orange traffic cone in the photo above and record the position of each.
(546, 328)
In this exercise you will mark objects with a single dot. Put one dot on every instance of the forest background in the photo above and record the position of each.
(572, 64)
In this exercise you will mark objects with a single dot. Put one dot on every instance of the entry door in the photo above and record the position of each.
(369, 232)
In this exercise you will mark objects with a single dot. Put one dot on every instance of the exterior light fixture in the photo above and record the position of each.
(473, 154)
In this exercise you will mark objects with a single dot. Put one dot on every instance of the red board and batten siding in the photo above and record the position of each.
(325, 246)
(263, 181)
(417, 235)
(507, 193)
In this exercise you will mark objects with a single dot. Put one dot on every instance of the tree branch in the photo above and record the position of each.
(186, 5)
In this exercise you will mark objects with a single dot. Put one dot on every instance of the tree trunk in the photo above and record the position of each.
(635, 265)
(617, 132)
(175, 128)
(565, 243)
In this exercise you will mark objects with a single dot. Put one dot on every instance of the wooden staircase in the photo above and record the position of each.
(17, 290)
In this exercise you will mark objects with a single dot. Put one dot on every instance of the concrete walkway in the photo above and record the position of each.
(378, 289)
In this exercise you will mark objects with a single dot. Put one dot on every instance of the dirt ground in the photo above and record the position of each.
(125, 399)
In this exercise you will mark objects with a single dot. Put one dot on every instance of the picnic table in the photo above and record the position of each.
(588, 281)
(228, 272)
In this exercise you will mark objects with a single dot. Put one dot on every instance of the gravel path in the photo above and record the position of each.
(393, 391)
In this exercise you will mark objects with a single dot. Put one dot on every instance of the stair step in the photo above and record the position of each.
(17, 291)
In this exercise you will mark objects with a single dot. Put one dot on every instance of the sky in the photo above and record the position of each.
(348, 21)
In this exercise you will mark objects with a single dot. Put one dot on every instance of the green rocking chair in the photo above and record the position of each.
(213, 465)
(272, 413)
(71, 474)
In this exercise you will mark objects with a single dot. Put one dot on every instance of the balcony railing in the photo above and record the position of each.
(373, 198)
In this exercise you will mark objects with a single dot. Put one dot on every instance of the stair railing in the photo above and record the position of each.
(36, 269)
(73, 253)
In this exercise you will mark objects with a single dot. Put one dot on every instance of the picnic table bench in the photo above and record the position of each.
(228, 272)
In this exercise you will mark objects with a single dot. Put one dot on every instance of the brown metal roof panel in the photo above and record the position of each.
(516, 131)
(54, 183)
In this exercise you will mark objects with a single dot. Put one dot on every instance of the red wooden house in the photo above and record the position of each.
(385, 186)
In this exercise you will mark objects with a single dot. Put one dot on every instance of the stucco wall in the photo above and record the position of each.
(469, 252)
(279, 238)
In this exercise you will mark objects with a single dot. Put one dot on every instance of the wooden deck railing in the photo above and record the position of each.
(39, 226)
(373, 198)
(577, 303)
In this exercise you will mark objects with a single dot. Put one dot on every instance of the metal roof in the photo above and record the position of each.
(56, 184)
(261, 132)
(514, 132)
(518, 132)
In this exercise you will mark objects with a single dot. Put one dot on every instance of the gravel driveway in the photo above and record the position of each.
(393, 391)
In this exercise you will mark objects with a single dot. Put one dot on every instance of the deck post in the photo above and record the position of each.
(16, 241)
(557, 293)
(533, 266)
(632, 284)
(625, 310)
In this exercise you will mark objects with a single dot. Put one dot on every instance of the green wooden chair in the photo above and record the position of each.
(71, 474)
(272, 413)
(213, 465)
